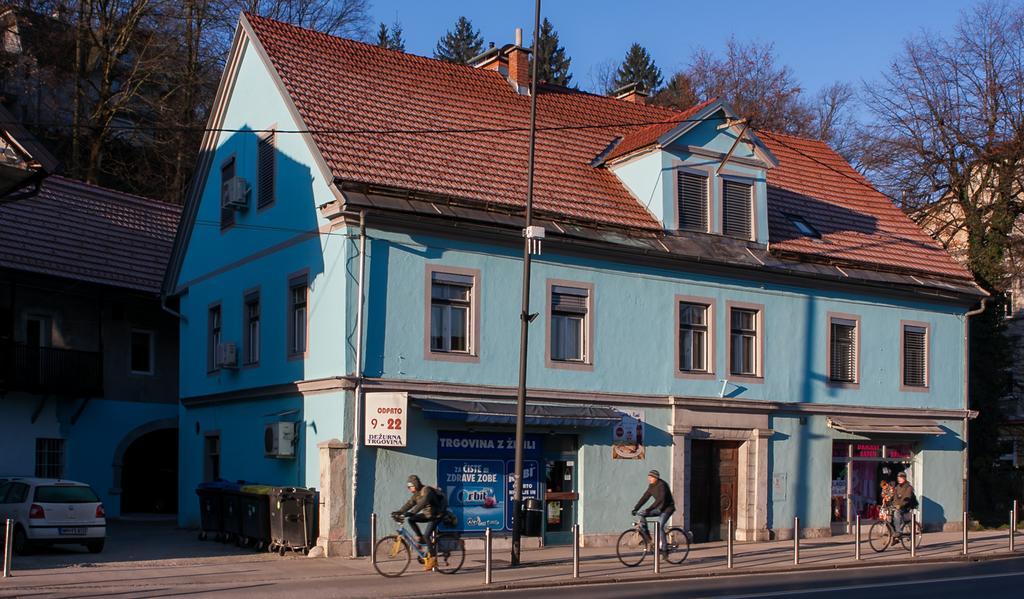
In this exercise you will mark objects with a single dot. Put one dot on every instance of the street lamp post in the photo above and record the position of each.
(524, 317)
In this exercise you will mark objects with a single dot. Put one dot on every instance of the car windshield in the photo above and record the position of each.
(65, 494)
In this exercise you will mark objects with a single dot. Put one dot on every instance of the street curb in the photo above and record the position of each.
(520, 586)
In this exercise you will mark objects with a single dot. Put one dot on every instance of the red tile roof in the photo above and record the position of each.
(89, 233)
(344, 88)
(647, 136)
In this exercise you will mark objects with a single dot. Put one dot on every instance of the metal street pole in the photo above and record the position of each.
(524, 316)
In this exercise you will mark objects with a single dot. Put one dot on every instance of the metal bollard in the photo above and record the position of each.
(575, 550)
(796, 540)
(856, 539)
(487, 555)
(966, 524)
(728, 545)
(373, 537)
(657, 546)
(8, 546)
(1015, 516)
(1011, 531)
(913, 533)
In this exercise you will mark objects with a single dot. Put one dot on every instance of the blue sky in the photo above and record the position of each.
(822, 40)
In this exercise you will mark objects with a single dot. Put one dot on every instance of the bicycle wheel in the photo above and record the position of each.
(451, 553)
(905, 537)
(392, 556)
(632, 547)
(678, 545)
(879, 536)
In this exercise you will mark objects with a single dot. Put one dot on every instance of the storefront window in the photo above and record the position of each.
(897, 451)
(858, 469)
(840, 449)
(867, 450)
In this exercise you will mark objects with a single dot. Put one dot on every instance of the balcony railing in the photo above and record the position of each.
(50, 370)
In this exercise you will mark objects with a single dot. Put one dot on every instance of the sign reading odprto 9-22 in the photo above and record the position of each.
(476, 471)
(385, 419)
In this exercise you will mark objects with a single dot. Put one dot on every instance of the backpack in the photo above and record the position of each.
(447, 517)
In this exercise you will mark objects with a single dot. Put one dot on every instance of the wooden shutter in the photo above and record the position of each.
(692, 200)
(736, 209)
(265, 169)
(843, 352)
(915, 357)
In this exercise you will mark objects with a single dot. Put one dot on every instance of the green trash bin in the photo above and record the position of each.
(255, 507)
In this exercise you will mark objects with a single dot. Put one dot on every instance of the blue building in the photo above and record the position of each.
(738, 309)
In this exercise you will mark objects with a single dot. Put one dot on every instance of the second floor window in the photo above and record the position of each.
(141, 352)
(227, 173)
(50, 458)
(743, 341)
(451, 298)
(569, 313)
(298, 294)
(693, 337)
(692, 201)
(915, 356)
(252, 328)
(737, 209)
(843, 350)
(213, 338)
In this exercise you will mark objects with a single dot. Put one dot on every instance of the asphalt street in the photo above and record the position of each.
(988, 579)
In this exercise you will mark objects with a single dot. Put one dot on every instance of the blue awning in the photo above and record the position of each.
(493, 412)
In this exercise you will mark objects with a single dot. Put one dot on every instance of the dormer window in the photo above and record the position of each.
(803, 226)
(737, 208)
(692, 200)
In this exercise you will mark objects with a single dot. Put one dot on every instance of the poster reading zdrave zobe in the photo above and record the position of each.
(475, 471)
(628, 436)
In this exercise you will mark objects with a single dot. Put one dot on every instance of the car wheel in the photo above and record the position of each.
(95, 546)
(21, 544)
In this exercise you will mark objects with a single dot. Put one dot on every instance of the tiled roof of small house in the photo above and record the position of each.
(386, 118)
(78, 231)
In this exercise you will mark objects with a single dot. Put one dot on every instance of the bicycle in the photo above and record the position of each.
(393, 553)
(883, 533)
(635, 543)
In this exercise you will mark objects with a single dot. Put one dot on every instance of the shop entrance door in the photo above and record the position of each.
(714, 480)
(560, 491)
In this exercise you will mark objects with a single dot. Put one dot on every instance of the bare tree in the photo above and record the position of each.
(833, 119)
(345, 18)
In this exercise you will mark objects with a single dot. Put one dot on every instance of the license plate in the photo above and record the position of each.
(71, 531)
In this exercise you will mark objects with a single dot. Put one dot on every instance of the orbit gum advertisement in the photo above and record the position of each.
(475, 471)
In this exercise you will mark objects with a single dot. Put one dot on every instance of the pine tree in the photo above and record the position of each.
(554, 64)
(460, 44)
(391, 38)
(638, 67)
(383, 36)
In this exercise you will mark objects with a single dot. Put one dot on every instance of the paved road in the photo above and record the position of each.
(987, 579)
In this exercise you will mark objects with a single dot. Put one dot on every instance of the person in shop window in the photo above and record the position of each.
(663, 507)
(903, 500)
(425, 505)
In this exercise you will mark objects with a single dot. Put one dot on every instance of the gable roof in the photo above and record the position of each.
(390, 120)
(87, 233)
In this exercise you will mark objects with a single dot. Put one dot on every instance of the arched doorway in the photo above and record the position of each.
(149, 473)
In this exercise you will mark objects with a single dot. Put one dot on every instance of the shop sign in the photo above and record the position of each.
(628, 436)
(385, 419)
(476, 471)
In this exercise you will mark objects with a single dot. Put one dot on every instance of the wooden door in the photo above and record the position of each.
(714, 482)
(727, 462)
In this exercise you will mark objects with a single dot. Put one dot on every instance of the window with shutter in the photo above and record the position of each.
(569, 313)
(692, 190)
(737, 206)
(265, 152)
(227, 173)
(843, 351)
(915, 356)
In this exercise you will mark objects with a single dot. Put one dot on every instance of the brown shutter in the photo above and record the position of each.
(265, 169)
(692, 200)
(914, 357)
(736, 209)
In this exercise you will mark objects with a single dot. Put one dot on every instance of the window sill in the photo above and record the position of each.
(301, 356)
(569, 365)
(912, 389)
(843, 384)
(696, 375)
(442, 356)
(746, 378)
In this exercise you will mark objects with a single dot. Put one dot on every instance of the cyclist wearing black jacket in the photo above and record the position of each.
(663, 507)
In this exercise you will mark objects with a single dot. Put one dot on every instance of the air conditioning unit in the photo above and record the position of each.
(227, 355)
(279, 440)
(234, 194)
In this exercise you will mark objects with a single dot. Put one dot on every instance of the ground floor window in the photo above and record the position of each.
(50, 458)
(211, 458)
(858, 469)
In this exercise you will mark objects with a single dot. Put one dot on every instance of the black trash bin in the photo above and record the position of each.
(231, 500)
(533, 515)
(293, 519)
(211, 509)
(255, 506)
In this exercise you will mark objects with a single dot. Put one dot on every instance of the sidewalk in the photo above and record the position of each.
(256, 575)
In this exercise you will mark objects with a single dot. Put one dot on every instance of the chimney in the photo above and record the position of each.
(491, 59)
(518, 62)
(631, 92)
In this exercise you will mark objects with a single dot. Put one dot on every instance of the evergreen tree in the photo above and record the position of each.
(554, 63)
(391, 38)
(460, 44)
(383, 36)
(638, 67)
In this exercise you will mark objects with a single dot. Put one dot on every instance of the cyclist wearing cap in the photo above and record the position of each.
(423, 506)
(664, 506)
(904, 500)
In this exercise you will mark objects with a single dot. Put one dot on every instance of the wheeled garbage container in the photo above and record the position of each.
(231, 499)
(533, 514)
(211, 509)
(255, 508)
(293, 519)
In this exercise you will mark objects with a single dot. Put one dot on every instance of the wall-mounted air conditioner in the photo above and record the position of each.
(235, 194)
(227, 355)
(279, 440)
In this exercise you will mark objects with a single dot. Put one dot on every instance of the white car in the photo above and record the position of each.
(49, 511)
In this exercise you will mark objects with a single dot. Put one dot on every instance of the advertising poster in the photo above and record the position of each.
(475, 470)
(628, 436)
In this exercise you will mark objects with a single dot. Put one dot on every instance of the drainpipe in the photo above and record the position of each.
(166, 308)
(358, 400)
(967, 401)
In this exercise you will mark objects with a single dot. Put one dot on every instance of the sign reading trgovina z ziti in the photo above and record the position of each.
(385, 419)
